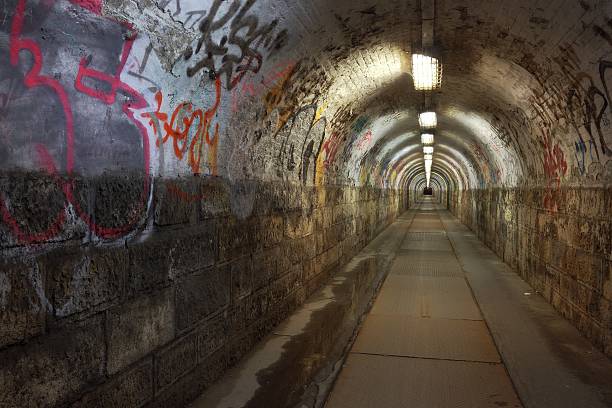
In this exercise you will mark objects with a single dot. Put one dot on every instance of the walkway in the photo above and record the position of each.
(426, 344)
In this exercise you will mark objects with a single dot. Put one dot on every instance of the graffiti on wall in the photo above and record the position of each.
(189, 128)
(79, 103)
(584, 111)
(555, 167)
(302, 139)
(270, 84)
(232, 41)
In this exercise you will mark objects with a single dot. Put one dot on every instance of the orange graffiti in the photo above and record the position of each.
(186, 120)
(275, 98)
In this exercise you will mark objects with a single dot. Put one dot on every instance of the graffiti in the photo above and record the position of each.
(272, 84)
(604, 66)
(579, 154)
(190, 131)
(302, 143)
(478, 152)
(136, 69)
(246, 36)
(275, 99)
(95, 90)
(359, 125)
(364, 141)
(330, 148)
(592, 105)
(174, 189)
(555, 167)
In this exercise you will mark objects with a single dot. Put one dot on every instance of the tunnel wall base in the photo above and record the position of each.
(155, 316)
(559, 241)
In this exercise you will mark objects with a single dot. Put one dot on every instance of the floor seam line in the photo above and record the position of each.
(426, 358)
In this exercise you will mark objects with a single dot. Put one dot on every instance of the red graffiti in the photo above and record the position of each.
(278, 74)
(184, 121)
(33, 79)
(182, 195)
(330, 147)
(555, 167)
(95, 6)
(365, 140)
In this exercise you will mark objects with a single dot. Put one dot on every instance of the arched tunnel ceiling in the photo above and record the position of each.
(316, 91)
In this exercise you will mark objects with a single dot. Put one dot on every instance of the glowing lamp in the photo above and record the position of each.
(427, 138)
(428, 120)
(426, 72)
(428, 149)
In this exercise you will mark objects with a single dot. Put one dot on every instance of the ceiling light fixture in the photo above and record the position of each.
(428, 149)
(428, 163)
(426, 72)
(428, 120)
(427, 138)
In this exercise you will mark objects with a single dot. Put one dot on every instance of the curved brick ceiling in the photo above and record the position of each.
(520, 103)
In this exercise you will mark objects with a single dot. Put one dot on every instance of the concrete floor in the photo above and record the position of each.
(453, 327)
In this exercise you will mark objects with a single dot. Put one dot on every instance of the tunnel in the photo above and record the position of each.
(305, 203)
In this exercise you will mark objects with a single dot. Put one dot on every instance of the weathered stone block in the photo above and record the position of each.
(255, 307)
(214, 198)
(193, 249)
(132, 388)
(23, 302)
(242, 277)
(271, 230)
(201, 294)
(81, 279)
(188, 387)
(173, 361)
(149, 265)
(50, 371)
(282, 287)
(297, 225)
(265, 266)
(37, 207)
(235, 234)
(120, 202)
(139, 327)
(176, 201)
(212, 335)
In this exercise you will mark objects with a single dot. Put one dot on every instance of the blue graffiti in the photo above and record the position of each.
(580, 155)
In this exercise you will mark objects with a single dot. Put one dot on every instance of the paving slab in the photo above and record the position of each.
(466, 340)
(424, 296)
(426, 236)
(428, 245)
(436, 264)
(371, 381)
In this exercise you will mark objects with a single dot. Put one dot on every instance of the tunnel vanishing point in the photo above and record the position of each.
(305, 203)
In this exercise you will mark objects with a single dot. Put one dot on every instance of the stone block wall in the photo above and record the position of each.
(153, 318)
(565, 254)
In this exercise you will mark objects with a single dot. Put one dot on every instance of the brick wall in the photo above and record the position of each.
(153, 319)
(566, 255)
